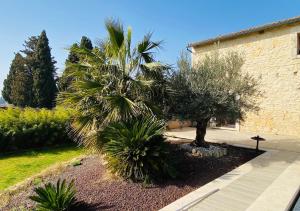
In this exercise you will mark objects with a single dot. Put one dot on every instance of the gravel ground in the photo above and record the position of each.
(97, 191)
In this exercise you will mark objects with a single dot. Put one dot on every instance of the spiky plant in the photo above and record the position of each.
(113, 82)
(136, 149)
(59, 197)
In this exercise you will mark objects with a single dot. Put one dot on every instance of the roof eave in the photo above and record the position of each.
(245, 32)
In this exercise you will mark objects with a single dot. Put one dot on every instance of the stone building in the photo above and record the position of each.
(272, 55)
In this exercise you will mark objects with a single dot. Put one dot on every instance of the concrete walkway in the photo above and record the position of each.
(268, 182)
(279, 142)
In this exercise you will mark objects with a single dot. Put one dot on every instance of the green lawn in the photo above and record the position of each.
(17, 167)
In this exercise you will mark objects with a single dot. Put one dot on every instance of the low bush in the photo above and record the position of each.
(30, 128)
(59, 197)
(136, 149)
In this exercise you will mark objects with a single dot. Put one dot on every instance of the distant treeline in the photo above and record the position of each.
(32, 80)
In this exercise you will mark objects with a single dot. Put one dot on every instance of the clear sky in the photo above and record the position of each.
(177, 22)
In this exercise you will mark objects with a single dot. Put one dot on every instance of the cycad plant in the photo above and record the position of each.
(136, 149)
(55, 198)
(115, 81)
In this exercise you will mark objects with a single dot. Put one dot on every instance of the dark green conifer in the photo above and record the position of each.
(65, 81)
(18, 84)
(44, 86)
(72, 57)
(85, 42)
(21, 93)
(6, 91)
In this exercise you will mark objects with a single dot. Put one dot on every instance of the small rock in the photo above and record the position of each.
(212, 151)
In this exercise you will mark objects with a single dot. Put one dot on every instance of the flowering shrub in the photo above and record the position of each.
(30, 128)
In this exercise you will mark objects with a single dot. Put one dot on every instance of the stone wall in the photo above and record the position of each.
(177, 124)
(271, 57)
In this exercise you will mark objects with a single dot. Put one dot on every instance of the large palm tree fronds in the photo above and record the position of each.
(113, 82)
(116, 35)
(145, 48)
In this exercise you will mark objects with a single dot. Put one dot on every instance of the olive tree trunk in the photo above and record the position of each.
(200, 133)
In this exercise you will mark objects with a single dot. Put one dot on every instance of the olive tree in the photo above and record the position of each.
(213, 87)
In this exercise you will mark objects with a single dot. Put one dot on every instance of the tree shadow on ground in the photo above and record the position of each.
(198, 171)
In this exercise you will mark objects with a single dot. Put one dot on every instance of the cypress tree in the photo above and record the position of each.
(29, 51)
(7, 84)
(21, 92)
(18, 84)
(72, 57)
(7, 88)
(85, 42)
(44, 86)
(65, 81)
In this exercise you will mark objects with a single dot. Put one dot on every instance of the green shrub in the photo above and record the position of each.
(30, 128)
(136, 149)
(55, 198)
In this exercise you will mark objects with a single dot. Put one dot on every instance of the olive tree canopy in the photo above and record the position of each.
(214, 87)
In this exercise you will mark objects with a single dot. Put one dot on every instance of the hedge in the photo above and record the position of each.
(32, 128)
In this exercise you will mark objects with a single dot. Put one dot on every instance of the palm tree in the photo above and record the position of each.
(115, 81)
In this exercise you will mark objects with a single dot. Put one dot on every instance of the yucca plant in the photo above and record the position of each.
(136, 149)
(59, 197)
(113, 82)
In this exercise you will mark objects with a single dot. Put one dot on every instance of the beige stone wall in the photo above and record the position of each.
(271, 57)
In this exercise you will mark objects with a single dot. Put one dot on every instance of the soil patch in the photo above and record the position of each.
(97, 191)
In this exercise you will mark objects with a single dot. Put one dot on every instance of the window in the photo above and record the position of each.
(298, 44)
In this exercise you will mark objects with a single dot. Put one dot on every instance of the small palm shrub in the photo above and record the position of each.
(55, 198)
(29, 128)
(136, 149)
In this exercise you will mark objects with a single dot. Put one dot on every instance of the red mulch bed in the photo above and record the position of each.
(96, 192)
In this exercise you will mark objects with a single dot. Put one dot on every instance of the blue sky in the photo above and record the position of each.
(176, 22)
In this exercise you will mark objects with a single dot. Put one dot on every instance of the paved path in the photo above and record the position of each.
(268, 182)
(288, 143)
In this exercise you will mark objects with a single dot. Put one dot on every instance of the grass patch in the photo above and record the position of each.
(17, 167)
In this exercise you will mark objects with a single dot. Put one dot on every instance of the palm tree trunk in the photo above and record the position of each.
(200, 133)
